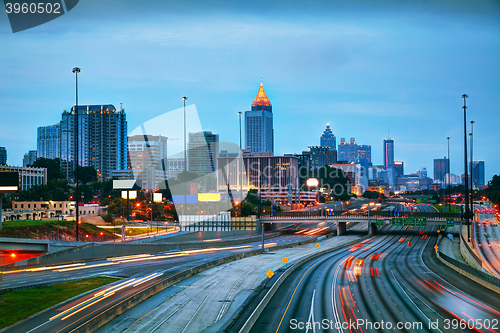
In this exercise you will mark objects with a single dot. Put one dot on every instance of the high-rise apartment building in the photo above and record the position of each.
(203, 150)
(102, 137)
(29, 158)
(259, 132)
(441, 168)
(148, 155)
(478, 178)
(3, 156)
(388, 153)
(347, 152)
(48, 143)
(328, 139)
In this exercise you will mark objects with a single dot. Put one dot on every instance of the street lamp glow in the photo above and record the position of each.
(312, 182)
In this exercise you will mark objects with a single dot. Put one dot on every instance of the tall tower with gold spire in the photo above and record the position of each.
(259, 132)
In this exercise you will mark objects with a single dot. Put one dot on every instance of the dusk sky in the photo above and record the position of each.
(363, 66)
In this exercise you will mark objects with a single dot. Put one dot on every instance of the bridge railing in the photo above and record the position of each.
(330, 213)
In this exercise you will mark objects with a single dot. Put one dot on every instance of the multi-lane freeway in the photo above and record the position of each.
(139, 271)
(383, 285)
(487, 237)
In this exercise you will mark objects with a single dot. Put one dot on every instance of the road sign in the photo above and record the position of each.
(450, 222)
(285, 260)
(397, 221)
(269, 273)
(379, 223)
(409, 221)
(421, 221)
(317, 245)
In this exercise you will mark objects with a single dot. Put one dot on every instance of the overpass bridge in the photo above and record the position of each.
(374, 219)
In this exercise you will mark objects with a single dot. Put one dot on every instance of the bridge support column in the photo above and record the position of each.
(372, 228)
(341, 228)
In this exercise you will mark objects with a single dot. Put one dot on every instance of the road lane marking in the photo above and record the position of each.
(311, 314)
(298, 284)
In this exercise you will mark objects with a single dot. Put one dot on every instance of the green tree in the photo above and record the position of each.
(334, 180)
(371, 195)
(53, 167)
(87, 174)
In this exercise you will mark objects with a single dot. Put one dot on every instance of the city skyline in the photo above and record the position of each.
(364, 78)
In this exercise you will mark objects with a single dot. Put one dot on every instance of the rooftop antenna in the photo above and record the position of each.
(389, 133)
(121, 106)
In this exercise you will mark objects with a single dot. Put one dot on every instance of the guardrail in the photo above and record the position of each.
(324, 212)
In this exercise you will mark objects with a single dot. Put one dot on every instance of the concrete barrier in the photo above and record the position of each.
(129, 302)
(468, 275)
(95, 251)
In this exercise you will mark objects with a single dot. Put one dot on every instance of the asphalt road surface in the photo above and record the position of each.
(383, 285)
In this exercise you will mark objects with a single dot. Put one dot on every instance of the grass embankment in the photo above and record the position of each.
(64, 230)
(20, 304)
(139, 231)
(453, 208)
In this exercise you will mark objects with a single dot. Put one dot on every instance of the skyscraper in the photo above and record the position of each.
(422, 173)
(203, 150)
(388, 153)
(29, 158)
(3, 156)
(321, 156)
(102, 134)
(364, 157)
(478, 173)
(259, 132)
(347, 152)
(328, 139)
(399, 168)
(48, 143)
(441, 168)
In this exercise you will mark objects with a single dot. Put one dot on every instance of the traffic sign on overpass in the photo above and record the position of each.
(397, 221)
(409, 221)
(379, 223)
(421, 221)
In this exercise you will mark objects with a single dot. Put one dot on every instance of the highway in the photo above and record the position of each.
(139, 272)
(380, 281)
(487, 237)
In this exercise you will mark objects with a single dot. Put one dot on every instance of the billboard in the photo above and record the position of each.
(9, 182)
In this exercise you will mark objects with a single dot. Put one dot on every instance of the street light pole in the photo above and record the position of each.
(239, 170)
(76, 70)
(466, 172)
(449, 177)
(471, 168)
(184, 98)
